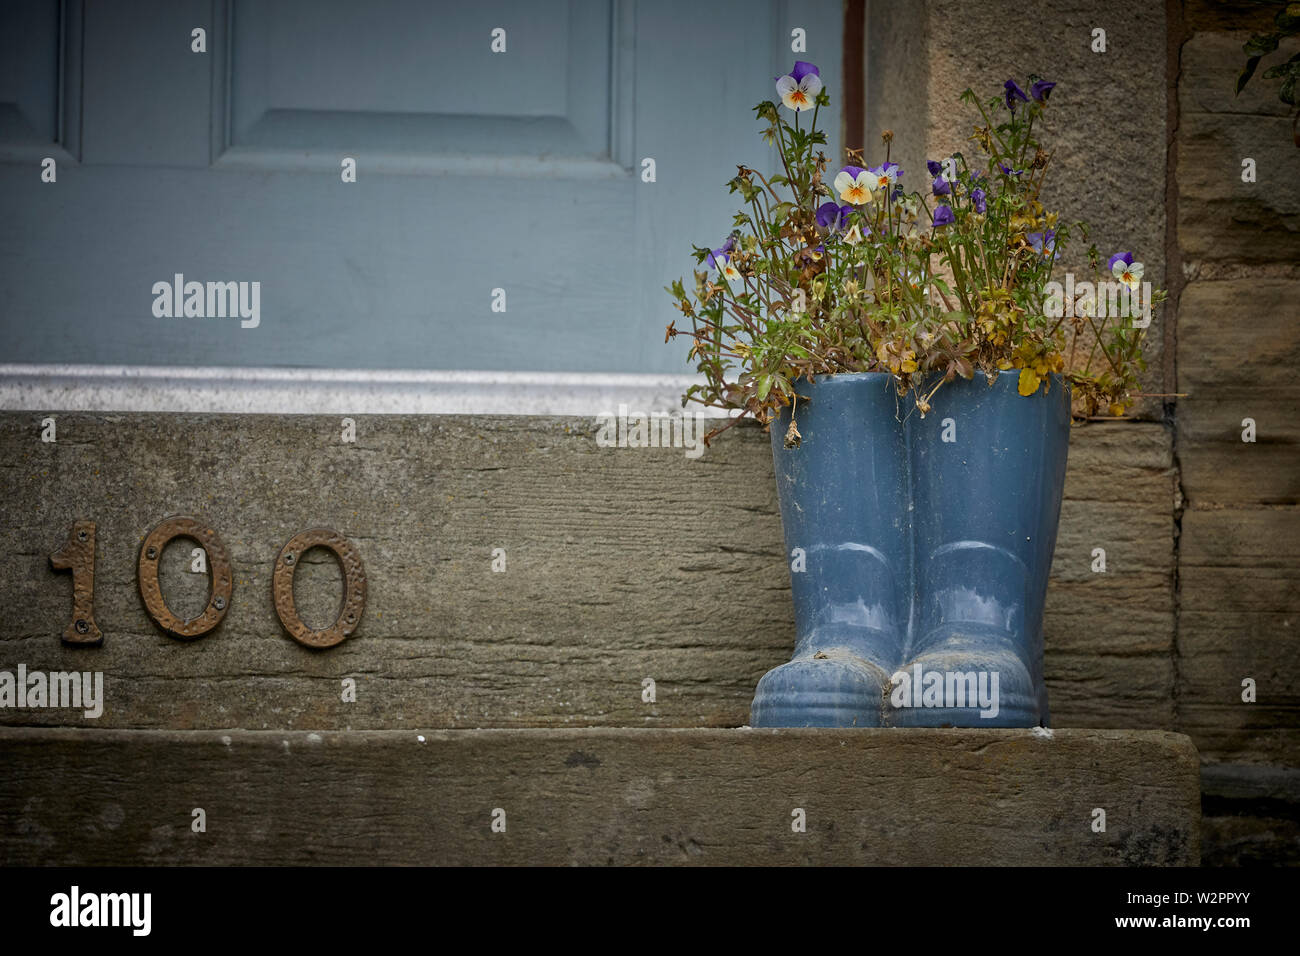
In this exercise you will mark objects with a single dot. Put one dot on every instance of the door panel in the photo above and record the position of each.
(476, 171)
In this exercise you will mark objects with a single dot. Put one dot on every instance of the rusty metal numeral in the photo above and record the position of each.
(218, 566)
(78, 556)
(354, 583)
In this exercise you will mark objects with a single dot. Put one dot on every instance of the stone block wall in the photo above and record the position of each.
(1150, 140)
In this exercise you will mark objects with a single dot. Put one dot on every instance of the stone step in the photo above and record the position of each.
(589, 539)
(598, 796)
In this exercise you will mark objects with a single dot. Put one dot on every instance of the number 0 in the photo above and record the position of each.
(354, 583)
(218, 564)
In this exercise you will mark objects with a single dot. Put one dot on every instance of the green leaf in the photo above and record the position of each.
(1287, 94)
(1283, 69)
(1260, 44)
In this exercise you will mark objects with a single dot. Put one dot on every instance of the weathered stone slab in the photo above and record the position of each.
(716, 797)
(1220, 217)
(1239, 570)
(1238, 349)
(620, 565)
(1239, 564)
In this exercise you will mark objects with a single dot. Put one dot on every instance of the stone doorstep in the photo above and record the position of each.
(71, 796)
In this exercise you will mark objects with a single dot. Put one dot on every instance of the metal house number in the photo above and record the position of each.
(78, 556)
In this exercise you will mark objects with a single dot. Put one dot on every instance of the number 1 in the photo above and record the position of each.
(78, 556)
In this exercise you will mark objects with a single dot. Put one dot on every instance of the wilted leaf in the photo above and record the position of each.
(1028, 383)
(781, 210)
(1247, 73)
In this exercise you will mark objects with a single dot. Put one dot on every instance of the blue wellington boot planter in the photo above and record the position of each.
(919, 553)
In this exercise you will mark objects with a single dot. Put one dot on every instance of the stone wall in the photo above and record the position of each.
(1149, 147)
(1238, 345)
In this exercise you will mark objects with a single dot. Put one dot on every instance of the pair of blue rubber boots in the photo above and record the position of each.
(919, 553)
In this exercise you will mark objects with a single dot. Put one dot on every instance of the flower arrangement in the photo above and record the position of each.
(859, 275)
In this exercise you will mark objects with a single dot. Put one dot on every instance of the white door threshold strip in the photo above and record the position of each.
(288, 391)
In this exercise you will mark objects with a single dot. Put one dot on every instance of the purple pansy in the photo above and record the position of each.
(827, 218)
(720, 259)
(979, 200)
(721, 255)
(798, 89)
(1044, 243)
(886, 175)
(943, 216)
(1014, 94)
(1040, 90)
(1123, 268)
(934, 167)
(801, 69)
(940, 186)
(1008, 170)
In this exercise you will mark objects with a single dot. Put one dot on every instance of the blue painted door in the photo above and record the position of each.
(499, 218)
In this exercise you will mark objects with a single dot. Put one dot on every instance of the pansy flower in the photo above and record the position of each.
(979, 200)
(940, 186)
(1014, 94)
(935, 168)
(798, 89)
(720, 259)
(913, 279)
(833, 216)
(717, 255)
(856, 234)
(1008, 170)
(886, 175)
(1040, 90)
(943, 216)
(1043, 243)
(855, 185)
(1123, 268)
